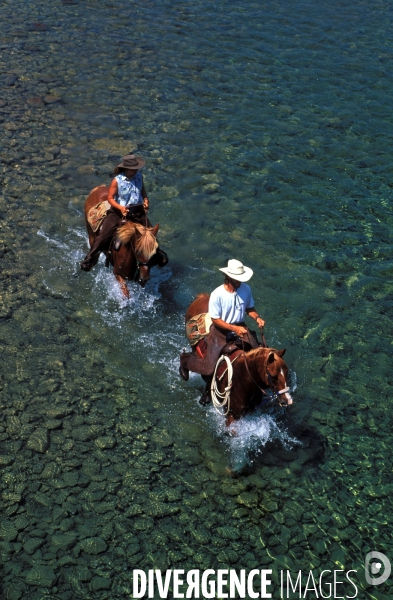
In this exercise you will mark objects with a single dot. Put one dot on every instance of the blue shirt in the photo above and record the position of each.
(129, 191)
(230, 307)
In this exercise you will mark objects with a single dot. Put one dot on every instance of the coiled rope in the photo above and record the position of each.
(222, 400)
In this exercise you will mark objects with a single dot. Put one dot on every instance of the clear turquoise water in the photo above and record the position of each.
(267, 132)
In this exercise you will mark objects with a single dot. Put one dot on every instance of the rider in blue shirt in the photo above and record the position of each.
(128, 199)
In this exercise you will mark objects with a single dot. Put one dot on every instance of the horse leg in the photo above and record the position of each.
(206, 397)
(123, 285)
(231, 431)
(101, 241)
(229, 419)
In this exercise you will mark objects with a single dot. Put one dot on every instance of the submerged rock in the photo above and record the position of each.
(39, 441)
(41, 575)
(6, 460)
(94, 545)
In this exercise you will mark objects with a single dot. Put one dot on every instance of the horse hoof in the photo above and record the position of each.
(205, 399)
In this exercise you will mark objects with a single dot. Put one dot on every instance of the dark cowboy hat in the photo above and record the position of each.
(131, 162)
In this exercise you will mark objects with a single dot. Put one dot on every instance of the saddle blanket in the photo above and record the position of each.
(198, 327)
(97, 214)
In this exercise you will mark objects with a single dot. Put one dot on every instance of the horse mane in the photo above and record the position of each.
(146, 243)
(258, 352)
(255, 351)
(262, 353)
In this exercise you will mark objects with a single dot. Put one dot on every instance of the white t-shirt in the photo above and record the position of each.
(230, 307)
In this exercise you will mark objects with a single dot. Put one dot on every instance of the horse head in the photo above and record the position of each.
(143, 244)
(275, 376)
(267, 369)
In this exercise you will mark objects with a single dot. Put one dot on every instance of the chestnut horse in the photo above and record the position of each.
(138, 248)
(254, 372)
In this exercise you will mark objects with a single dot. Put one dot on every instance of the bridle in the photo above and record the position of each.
(276, 393)
(139, 264)
(138, 270)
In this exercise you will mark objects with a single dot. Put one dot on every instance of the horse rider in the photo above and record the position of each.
(128, 199)
(228, 305)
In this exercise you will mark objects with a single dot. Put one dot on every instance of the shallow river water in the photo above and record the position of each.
(267, 131)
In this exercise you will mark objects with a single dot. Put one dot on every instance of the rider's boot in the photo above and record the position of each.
(206, 398)
(184, 373)
(90, 260)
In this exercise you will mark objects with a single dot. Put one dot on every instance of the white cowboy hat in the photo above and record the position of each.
(236, 270)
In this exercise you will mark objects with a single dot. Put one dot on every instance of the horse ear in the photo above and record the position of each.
(155, 229)
(270, 358)
(280, 353)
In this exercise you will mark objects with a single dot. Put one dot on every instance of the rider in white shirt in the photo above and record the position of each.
(228, 305)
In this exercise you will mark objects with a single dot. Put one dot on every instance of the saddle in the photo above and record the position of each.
(231, 347)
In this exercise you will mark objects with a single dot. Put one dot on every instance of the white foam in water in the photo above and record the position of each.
(141, 302)
(76, 210)
(60, 259)
(70, 255)
(247, 437)
(106, 288)
(52, 241)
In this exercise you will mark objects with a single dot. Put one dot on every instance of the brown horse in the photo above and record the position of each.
(254, 372)
(138, 248)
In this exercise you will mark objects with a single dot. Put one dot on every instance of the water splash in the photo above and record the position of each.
(247, 437)
(52, 240)
(142, 302)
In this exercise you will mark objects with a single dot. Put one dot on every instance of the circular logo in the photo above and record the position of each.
(373, 568)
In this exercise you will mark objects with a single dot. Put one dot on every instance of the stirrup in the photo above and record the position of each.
(117, 244)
